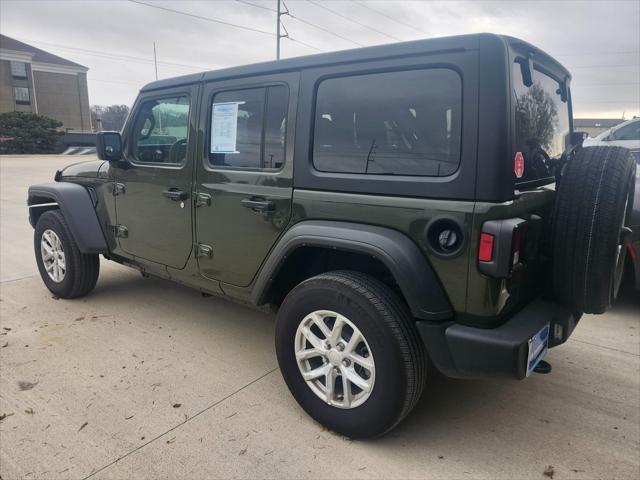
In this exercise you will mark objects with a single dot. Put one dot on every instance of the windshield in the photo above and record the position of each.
(542, 122)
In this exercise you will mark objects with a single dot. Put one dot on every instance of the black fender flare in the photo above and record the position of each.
(409, 266)
(78, 209)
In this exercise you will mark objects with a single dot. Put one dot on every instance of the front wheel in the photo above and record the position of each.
(350, 353)
(65, 271)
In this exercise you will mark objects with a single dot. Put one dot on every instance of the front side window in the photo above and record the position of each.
(22, 96)
(248, 128)
(160, 131)
(395, 123)
(542, 122)
(18, 70)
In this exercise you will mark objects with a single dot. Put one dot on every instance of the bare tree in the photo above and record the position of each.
(111, 117)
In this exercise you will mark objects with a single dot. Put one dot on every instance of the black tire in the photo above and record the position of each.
(82, 269)
(589, 217)
(389, 328)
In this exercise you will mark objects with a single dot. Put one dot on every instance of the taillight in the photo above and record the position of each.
(485, 251)
(501, 247)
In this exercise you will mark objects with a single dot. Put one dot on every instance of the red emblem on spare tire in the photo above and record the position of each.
(518, 165)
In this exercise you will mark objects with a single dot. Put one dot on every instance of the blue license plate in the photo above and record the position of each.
(538, 347)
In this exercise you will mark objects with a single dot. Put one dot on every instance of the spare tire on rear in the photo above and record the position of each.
(590, 227)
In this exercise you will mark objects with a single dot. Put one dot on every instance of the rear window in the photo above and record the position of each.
(542, 122)
(394, 123)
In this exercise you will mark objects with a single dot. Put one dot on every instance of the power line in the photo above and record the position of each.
(288, 37)
(620, 102)
(585, 54)
(606, 84)
(257, 6)
(345, 17)
(112, 56)
(200, 17)
(208, 19)
(324, 30)
(607, 66)
(387, 16)
(306, 22)
(116, 82)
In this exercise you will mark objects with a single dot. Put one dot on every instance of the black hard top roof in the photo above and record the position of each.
(431, 45)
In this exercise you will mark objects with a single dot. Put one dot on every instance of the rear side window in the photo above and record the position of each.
(394, 123)
(248, 128)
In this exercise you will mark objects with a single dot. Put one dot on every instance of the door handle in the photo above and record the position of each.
(175, 194)
(258, 204)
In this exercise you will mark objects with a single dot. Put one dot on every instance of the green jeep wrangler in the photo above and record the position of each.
(401, 205)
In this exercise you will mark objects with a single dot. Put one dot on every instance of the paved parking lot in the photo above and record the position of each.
(147, 379)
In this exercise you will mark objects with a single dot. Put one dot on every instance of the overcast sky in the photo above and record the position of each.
(599, 41)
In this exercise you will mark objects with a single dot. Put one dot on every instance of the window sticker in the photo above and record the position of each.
(224, 127)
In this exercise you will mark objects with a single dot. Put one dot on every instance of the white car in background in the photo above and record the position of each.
(626, 135)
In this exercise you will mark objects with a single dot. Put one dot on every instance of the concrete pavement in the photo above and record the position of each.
(147, 379)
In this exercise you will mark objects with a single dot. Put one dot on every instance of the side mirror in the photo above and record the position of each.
(109, 146)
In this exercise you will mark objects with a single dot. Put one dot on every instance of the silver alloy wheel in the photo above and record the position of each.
(53, 255)
(334, 359)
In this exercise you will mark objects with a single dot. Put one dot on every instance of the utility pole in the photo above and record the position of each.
(279, 24)
(155, 59)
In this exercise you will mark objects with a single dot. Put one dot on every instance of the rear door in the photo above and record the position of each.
(244, 174)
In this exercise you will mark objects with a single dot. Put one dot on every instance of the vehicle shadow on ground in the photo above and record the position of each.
(194, 308)
(477, 408)
(628, 301)
(450, 412)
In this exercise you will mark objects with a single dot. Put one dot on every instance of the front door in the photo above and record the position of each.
(153, 185)
(244, 174)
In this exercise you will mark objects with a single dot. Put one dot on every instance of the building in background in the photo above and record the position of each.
(32, 80)
(595, 126)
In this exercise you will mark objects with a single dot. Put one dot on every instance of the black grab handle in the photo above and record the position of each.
(258, 204)
(175, 194)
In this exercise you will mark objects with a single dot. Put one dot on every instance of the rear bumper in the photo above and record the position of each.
(461, 351)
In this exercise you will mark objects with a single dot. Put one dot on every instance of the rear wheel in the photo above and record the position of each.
(591, 227)
(350, 353)
(65, 271)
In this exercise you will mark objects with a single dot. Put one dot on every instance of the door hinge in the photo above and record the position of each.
(118, 188)
(201, 200)
(203, 250)
(120, 231)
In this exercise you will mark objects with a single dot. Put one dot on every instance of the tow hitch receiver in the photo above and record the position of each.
(543, 367)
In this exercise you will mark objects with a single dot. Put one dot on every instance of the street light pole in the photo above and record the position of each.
(279, 25)
(278, 32)
(155, 59)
